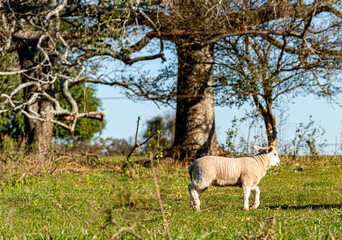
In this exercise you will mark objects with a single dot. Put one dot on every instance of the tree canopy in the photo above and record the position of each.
(252, 69)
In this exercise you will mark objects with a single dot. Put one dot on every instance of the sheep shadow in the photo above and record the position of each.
(308, 206)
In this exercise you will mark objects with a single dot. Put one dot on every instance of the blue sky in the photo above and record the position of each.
(122, 115)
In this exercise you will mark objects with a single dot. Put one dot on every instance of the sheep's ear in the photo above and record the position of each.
(270, 149)
(257, 148)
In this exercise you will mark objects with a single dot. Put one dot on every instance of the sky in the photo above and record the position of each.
(122, 114)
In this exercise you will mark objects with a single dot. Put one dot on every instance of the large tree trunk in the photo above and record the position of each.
(195, 133)
(38, 133)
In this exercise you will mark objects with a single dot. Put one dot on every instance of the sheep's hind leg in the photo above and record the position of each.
(246, 194)
(194, 196)
(256, 192)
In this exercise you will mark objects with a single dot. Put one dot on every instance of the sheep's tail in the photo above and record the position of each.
(190, 169)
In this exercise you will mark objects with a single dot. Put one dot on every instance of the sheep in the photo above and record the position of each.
(244, 172)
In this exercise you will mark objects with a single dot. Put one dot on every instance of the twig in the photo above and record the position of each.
(128, 229)
(136, 145)
(307, 229)
(125, 229)
(159, 199)
(154, 178)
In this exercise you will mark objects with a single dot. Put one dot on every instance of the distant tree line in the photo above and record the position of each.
(162, 125)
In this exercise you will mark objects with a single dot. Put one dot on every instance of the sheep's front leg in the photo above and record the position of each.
(246, 194)
(256, 192)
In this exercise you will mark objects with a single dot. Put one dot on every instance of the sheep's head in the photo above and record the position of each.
(271, 152)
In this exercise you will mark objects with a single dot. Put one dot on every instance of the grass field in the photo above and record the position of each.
(95, 199)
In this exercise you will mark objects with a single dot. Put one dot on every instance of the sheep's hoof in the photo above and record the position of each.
(255, 206)
(197, 209)
(246, 208)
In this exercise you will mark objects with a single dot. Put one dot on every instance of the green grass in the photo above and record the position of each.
(80, 201)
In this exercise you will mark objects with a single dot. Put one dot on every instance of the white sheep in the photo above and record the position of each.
(244, 172)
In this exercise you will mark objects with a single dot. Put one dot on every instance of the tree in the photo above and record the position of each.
(32, 32)
(12, 123)
(252, 69)
(52, 40)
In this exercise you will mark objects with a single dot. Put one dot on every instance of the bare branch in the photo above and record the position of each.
(20, 71)
(307, 50)
(67, 95)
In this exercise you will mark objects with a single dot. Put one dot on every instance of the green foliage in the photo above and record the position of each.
(85, 128)
(11, 123)
(154, 147)
(76, 203)
(232, 133)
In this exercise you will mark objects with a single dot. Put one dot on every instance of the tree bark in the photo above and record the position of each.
(271, 129)
(195, 133)
(38, 133)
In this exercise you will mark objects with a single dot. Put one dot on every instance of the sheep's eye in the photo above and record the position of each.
(275, 154)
